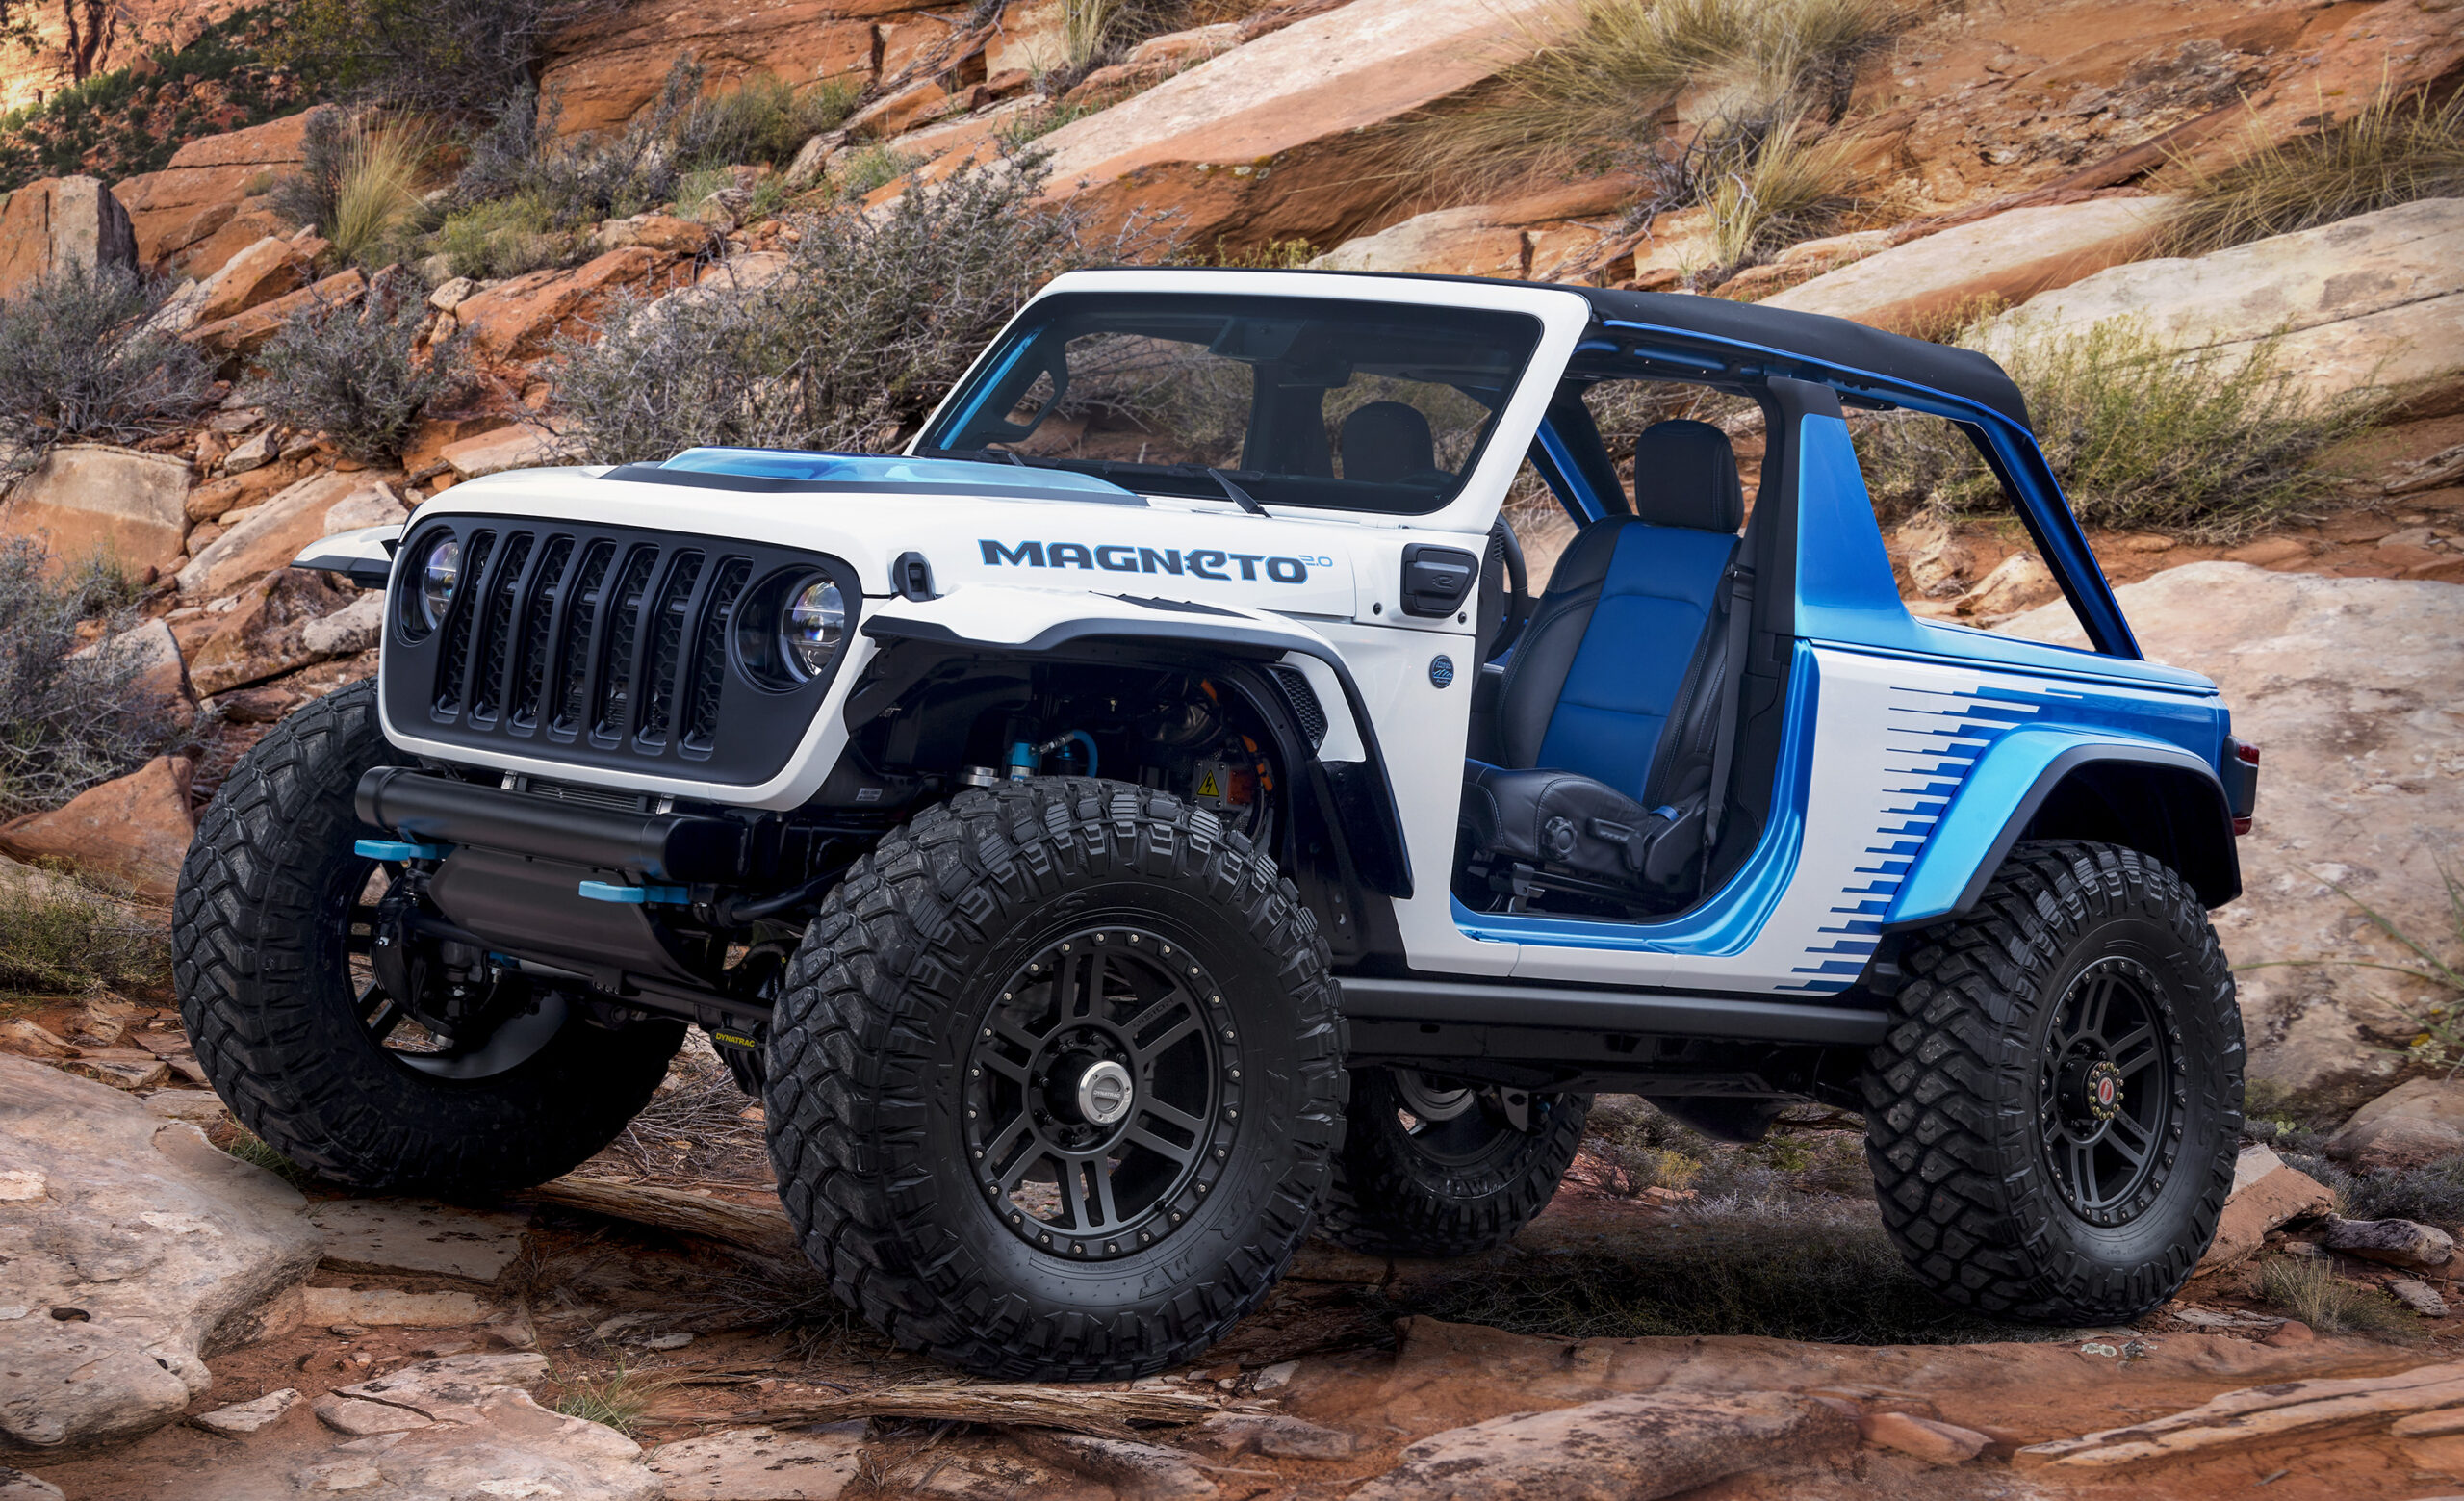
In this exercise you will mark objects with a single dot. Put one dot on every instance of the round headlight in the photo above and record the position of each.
(812, 626)
(440, 570)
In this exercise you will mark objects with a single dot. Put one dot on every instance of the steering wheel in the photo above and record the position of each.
(1506, 546)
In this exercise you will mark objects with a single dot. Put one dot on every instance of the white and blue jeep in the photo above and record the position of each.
(1149, 818)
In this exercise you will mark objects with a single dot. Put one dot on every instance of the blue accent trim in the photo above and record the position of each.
(884, 469)
(1087, 742)
(635, 895)
(397, 849)
(1974, 829)
(1577, 491)
(2022, 463)
(1729, 921)
(1845, 591)
(992, 382)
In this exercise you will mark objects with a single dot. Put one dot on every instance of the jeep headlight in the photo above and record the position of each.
(811, 627)
(440, 570)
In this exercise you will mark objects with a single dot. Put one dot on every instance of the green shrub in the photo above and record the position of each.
(874, 318)
(761, 119)
(874, 166)
(65, 722)
(2141, 436)
(57, 934)
(506, 238)
(79, 361)
(2391, 152)
(353, 372)
(2308, 1288)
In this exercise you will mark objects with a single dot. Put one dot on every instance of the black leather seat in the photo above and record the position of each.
(1386, 441)
(1608, 714)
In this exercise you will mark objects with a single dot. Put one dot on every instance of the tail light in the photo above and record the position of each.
(2241, 770)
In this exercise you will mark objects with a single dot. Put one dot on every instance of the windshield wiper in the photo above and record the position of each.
(1242, 497)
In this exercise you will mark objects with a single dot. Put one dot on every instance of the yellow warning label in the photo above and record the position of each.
(1207, 786)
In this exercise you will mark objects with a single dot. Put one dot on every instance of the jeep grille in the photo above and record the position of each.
(606, 646)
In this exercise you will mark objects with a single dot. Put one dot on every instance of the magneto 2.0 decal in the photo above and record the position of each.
(1197, 562)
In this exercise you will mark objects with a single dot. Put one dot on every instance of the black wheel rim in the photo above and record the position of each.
(2110, 1092)
(1110, 1018)
(529, 1021)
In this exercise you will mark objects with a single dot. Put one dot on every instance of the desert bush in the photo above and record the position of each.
(1600, 73)
(57, 934)
(761, 119)
(2141, 435)
(2393, 151)
(873, 319)
(65, 722)
(81, 359)
(356, 372)
(2308, 1288)
(450, 57)
(874, 166)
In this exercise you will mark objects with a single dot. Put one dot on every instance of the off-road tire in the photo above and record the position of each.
(1392, 1197)
(1953, 1092)
(259, 959)
(873, 1033)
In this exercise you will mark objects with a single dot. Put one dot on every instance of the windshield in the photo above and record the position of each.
(1377, 406)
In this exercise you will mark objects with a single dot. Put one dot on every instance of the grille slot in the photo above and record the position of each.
(572, 644)
(538, 625)
(676, 601)
(503, 581)
(702, 692)
(606, 646)
(624, 606)
(454, 659)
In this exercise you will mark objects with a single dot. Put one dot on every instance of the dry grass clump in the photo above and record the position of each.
(1601, 75)
(622, 1399)
(2142, 435)
(1785, 186)
(358, 183)
(2393, 151)
(60, 935)
(66, 722)
(2308, 1288)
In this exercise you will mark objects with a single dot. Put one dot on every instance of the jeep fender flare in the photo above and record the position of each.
(1040, 623)
(2051, 775)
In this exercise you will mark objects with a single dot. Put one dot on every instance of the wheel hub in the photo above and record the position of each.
(1103, 1093)
(2111, 1092)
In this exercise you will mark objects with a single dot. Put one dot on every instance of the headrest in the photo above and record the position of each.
(1686, 475)
(1384, 441)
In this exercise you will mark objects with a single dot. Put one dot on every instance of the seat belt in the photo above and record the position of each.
(1739, 587)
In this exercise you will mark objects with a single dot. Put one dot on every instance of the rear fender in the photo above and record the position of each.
(2146, 794)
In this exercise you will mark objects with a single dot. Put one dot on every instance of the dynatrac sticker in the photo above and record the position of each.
(1197, 562)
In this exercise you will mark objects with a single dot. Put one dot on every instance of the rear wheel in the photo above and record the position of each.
(1054, 1079)
(463, 1082)
(1438, 1167)
(2053, 1118)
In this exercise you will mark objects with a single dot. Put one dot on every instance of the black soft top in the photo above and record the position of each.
(1816, 336)
(1812, 336)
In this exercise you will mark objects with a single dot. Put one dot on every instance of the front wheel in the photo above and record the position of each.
(1054, 1081)
(282, 991)
(2053, 1117)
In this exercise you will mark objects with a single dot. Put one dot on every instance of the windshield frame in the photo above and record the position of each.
(1562, 315)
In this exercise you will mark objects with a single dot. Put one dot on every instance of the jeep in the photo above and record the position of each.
(1152, 816)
